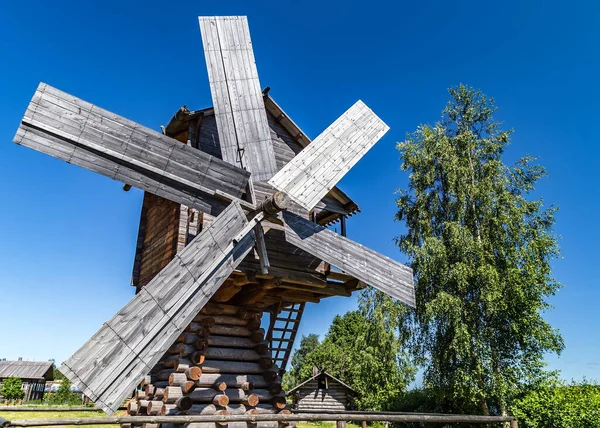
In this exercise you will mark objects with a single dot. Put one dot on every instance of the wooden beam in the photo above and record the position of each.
(244, 133)
(375, 269)
(83, 134)
(309, 176)
(126, 348)
(332, 289)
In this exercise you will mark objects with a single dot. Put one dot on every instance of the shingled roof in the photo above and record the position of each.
(26, 369)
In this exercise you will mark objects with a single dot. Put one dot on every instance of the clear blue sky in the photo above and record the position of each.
(67, 236)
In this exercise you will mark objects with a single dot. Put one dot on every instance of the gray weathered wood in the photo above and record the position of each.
(244, 132)
(318, 167)
(375, 269)
(114, 360)
(233, 354)
(220, 366)
(232, 380)
(322, 416)
(261, 249)
(83, 134)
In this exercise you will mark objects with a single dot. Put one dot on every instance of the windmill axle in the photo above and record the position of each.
(278, 202)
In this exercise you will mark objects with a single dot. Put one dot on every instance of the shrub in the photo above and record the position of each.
(12, 389)
(556, 404)
(64, 395)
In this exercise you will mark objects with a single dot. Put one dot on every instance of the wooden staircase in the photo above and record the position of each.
(283, 328)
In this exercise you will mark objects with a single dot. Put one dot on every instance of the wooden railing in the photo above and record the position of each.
(310, 417)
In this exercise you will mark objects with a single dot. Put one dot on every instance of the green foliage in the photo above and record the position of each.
(362, 354)
(12, 389)
(481, 250)
(56, 373)
(292, 377)
(556, 404)
(64, 395)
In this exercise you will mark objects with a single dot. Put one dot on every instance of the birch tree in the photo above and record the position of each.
(481, 249)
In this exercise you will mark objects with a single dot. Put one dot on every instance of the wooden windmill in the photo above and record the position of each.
(233, 225)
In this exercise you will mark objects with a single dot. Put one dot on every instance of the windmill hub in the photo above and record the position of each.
(279, 201)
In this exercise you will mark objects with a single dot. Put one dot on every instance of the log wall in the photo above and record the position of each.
(220, 365)
(159, 242)
(311, 397)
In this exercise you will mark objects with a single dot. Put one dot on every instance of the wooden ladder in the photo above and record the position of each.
(283, 328)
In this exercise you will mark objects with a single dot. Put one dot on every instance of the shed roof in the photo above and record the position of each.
(26, 369)
(322, 372)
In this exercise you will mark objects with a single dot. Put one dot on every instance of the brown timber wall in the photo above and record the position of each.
(160, 237)
(310, 397)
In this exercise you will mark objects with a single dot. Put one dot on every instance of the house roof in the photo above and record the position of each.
(180, 120)
(322, 372)
(26, 369)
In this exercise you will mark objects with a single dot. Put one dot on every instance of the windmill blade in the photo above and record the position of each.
(309, 176)
(83, 134)
(375, 269)
(109, 366)
(244, 133)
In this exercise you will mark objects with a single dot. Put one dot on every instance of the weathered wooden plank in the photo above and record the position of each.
(244, 132)
(232, 380)
(318, 167)
(220, 319)
(375, 269)
(134, 340)
(77, 132)
(220, 366)
(233, 354)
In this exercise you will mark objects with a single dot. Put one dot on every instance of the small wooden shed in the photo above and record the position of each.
(33, 374)
(322, 392)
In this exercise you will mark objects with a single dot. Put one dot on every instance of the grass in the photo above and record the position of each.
(331, 425)
(96, 414)
(47, 415)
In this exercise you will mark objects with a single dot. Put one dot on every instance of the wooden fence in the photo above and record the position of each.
(310, 417)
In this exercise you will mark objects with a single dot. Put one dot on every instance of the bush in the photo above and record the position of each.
(63, 395)
(556, 404)
(12, 389)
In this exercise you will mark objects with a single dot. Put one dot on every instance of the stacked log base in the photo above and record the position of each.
(219, 366)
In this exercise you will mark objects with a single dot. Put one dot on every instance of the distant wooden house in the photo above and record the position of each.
(322, 392)
(33, 374)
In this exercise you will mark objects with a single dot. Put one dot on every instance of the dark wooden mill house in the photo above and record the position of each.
(322, 392)
(233, 221)
(33, 375)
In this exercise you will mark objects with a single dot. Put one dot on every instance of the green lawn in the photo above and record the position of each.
(46, 415)
(96, 414)
(329, 425)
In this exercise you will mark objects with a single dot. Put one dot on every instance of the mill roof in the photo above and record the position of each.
(26, 369)
(321, 373)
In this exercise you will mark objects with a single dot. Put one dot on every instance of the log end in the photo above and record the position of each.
(184, 403)
(221, 400)
(252, 400)
(279, 402)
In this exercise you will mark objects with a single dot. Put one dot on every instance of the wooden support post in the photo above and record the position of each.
(340, 424)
